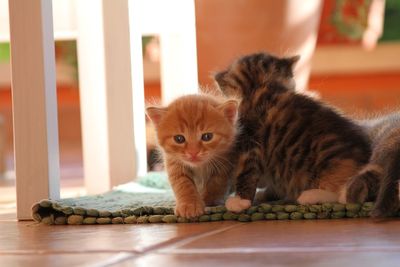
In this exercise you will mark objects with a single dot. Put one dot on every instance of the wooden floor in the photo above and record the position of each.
(345, 242)
(351, 242)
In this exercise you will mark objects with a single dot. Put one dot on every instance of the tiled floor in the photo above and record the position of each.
(353, 242)
(71, 173)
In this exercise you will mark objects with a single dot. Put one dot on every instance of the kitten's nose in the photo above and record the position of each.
(193, 154)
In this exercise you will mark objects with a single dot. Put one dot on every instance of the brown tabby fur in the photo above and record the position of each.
(203, 179)
(297, 147)
(154, 159)
(384, 167)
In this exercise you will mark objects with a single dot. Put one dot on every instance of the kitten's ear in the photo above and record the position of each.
(292, 60)
(155, 114)
(219, 77)
(230, 110)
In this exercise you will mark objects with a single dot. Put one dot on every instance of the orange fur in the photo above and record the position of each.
(198, 170)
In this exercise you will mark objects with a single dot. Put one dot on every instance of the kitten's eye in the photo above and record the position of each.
(206, 137)
(179, 139)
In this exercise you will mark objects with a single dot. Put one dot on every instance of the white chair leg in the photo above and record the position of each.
(179, 57)
(178, 66)
(138, 85)
(105, 93)
(34, 103)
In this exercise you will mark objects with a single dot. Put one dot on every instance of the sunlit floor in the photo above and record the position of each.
(71, 182)
(352, 242)
(346, 242)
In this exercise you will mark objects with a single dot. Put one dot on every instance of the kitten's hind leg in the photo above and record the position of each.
(387, 200)
(334, 179)
(364, 186)
(314, 196)
(387, 204)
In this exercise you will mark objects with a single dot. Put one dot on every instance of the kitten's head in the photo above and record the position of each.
(195, 129)
(252, 72)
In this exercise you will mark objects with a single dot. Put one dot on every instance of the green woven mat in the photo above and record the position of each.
(150, 200)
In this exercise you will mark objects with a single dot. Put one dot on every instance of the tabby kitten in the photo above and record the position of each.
(196, 133)
(383, 169)
(294, 146)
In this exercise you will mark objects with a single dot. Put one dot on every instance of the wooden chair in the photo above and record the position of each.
(108, 35)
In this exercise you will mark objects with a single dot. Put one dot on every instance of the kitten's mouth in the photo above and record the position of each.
(195, 160)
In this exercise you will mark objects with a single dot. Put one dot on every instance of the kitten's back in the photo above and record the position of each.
(304, 143)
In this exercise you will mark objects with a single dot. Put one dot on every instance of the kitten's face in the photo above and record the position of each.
(195, 129)
(249, 73)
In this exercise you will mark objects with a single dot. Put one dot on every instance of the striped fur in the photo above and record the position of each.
(289, 143)
(380, 180)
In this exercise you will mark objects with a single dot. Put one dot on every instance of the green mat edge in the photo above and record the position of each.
(58, 215)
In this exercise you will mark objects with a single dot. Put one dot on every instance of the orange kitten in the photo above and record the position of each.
(195, 133)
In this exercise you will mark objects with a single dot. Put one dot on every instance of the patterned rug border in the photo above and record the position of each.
(52, 213)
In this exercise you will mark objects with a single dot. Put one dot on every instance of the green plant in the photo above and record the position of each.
(4, 52)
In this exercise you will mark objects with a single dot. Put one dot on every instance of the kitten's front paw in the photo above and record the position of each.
(190, 209)
(237, 204)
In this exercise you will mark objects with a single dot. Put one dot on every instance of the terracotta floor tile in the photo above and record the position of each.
(344, 259)
(28, 236)
(323, 235)
(63, 260)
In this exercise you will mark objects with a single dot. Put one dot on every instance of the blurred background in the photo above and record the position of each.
(350, 59)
